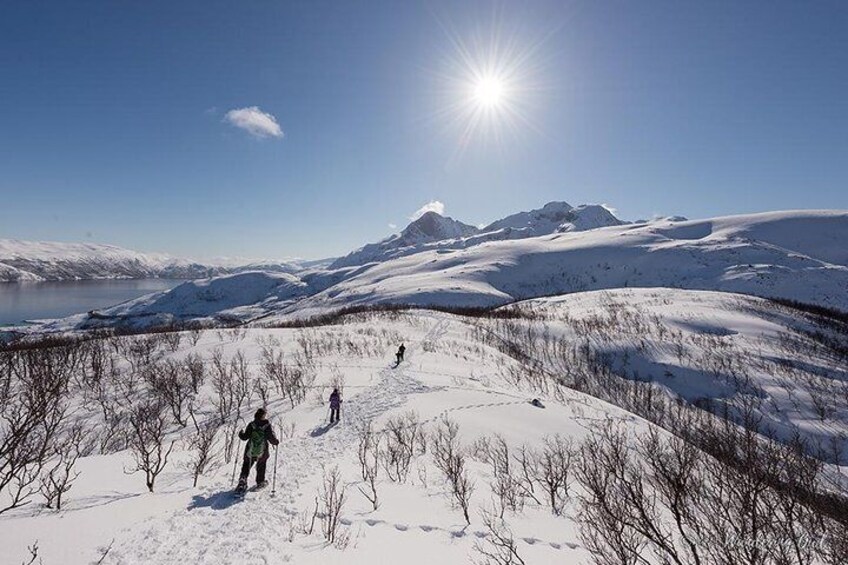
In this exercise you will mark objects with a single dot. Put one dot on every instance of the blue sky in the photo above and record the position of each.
(113, 116)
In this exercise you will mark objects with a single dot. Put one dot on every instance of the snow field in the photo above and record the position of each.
(448, 372)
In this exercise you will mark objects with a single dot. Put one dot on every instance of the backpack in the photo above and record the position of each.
(256, 442)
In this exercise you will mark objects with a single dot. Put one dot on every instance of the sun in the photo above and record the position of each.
(489, 92)
(488, 86)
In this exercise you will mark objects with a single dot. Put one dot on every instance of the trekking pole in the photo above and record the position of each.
(274, 479)
(235, 462)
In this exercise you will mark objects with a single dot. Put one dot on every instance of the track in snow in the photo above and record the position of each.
(218, 528)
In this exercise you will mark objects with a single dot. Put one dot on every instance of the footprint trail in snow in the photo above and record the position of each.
(218, 529)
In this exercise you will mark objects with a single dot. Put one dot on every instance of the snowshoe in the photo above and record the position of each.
(241, 489)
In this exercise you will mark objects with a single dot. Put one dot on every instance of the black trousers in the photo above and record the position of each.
(261, 463)
(334, 415)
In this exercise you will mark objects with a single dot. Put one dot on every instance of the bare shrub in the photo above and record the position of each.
(33, 387)
(404, 435)
(306, 520)
(139, 351)
(291, 380)
(202, 444)
(500, 547)
(662, 494)
(834, 548)
(195, 368)
(605, 529)
(368, 453)
(148, 423)
(332, 497)
(58, 479)
(173, 384)
(240, 370)
(172, 340)
(450, 459)
(260, 386)
(194, 336)
(553, 464)
(222, 386)
(505, 484)
(33, 554)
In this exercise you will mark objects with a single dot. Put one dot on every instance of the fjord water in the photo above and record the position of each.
(39, 300)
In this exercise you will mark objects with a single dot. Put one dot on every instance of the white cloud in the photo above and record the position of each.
(432, 206)
(393, 226)
(610, 209)
(254, 121)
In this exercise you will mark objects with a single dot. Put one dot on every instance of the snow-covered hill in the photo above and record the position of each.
(712, 348)
(665, 336)
(239, 297)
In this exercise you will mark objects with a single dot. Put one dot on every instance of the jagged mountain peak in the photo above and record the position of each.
(544, 219)
(433, 230)
(587, 217)
(433, 226)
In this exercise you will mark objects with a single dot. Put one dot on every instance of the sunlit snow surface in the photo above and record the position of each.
(447, 373)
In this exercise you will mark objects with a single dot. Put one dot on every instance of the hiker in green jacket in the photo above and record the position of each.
(258, 434)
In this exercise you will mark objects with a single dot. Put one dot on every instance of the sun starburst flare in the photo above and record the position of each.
(489, 86)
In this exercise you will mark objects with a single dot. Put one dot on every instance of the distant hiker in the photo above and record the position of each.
(399, 354)
(335, 405)
(258, 434)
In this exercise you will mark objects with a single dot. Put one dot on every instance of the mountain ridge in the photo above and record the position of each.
(435, 231)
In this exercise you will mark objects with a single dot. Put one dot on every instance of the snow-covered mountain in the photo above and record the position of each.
(798, 255)
(539, 222)
(589, 217)
(40, 260)
(22, 261)
(433, 231)
(36, 261)
(554, 217)
(430, 227)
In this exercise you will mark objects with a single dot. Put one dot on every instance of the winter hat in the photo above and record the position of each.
(259, 414)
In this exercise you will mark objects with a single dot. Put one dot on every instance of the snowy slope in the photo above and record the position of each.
(448, 373)
(228, 298)
(713, 347)
(415, 523)
(796, 255)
